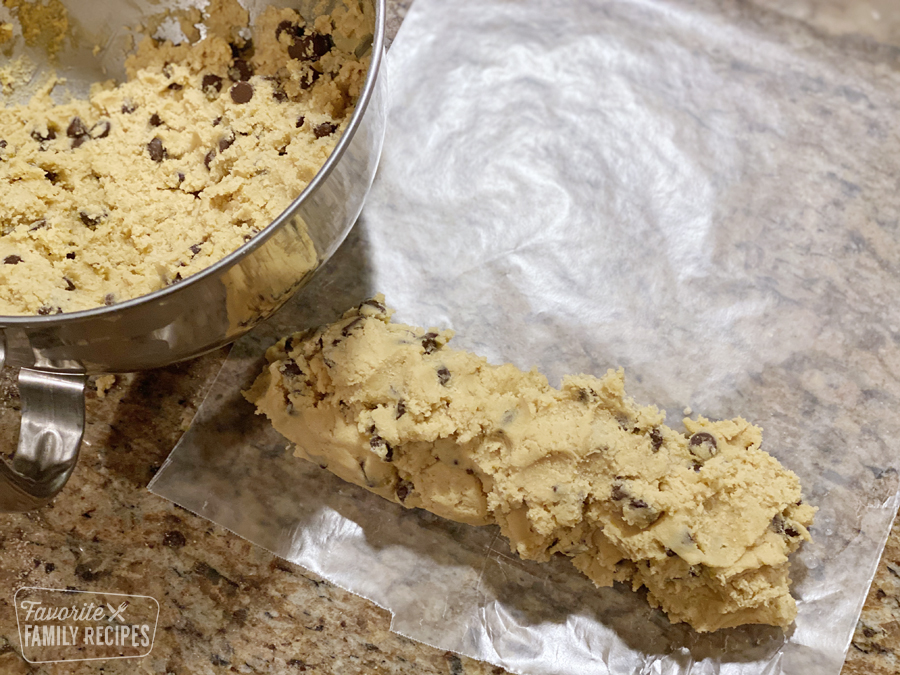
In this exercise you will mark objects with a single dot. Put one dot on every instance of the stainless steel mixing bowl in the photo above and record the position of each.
(202, 313)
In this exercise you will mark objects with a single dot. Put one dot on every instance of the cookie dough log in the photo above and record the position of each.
(704, 520)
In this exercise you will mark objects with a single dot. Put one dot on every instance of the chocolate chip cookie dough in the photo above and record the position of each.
(152, 180)
(704, 520)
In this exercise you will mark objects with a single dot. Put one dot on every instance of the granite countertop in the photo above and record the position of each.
(229, 606)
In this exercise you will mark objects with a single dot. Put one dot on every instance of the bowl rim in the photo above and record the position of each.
(377, 57)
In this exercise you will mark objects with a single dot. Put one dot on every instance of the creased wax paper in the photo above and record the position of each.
(703, 192)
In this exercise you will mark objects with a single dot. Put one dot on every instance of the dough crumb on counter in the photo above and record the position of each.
(704, 520)
(154, 179)
(103, 383)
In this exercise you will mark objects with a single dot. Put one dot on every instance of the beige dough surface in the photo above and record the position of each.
(704, 520)
(43, 24)
(152, 180)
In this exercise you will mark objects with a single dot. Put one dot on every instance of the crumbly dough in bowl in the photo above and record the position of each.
(154, 179)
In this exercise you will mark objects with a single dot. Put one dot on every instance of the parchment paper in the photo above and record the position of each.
(702, 192)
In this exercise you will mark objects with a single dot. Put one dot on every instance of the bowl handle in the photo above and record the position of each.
(49, 439)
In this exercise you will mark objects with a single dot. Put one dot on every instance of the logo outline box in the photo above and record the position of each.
(68, 591)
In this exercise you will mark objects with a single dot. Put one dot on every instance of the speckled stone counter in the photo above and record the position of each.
(228, 606)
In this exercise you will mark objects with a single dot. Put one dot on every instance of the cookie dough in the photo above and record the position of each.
(44, 24)
(6, 32)
(152, 180)
(704, 520)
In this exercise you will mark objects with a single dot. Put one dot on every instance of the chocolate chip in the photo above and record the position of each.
(309, 78)
(778, 523)
(43, 138)
(100, 130)
(78, 142)
(404, 487)
(311, 47)
(290, 28)
(639, 513)
(703, 445)
(157, 151)
(240, 71)
(91, 221)
(210, 156)
(670, 553)
(195, 249)
(109, 299)
(12, 260)
(176, 87)
(76, 128)
(38, 225)
(225, 143)
(279, 94)
(69, 285)
(241, 93)
(3, 144)
(128, 107)
(289, 344)
(376, 442)
(51, 176)
(389, 454)
(180, 178)
(242, 51)
(216, 122)
(350, 326)
(443, 375)
(656, 439)
(401, 409)
(429, 344)
(324, 129)
(618, 493)
(45, 310)
(155, 120)
(297, 49)
(211, 85)
(372, 302)
(300, 121)
(282, 27)
(509, 416)
(167, 69)
(291, 368)
(70, 255)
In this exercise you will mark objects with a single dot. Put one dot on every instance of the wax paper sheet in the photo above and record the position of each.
(701, 191)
